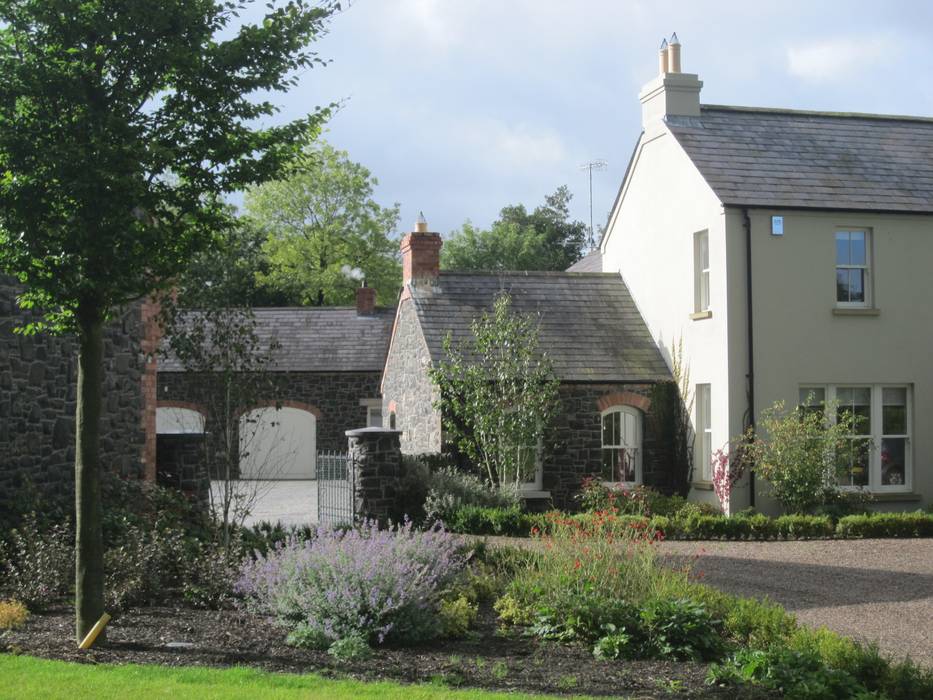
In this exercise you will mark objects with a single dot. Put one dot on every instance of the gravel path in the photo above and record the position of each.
(872, 590)
(880, 590)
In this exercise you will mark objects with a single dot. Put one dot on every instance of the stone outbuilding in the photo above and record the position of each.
(600, 348)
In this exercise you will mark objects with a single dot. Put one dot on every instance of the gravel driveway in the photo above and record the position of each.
(291, 502)
(879, 590)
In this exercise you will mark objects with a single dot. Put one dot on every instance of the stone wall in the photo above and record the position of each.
(180, 465)
(575, 449)
(334, 397)
(38, 376)
(408, 390)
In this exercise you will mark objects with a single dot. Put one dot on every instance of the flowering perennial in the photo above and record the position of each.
(365, 583)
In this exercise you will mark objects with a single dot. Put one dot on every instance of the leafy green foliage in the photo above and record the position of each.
(350, 649)
(456, 616)
(497, 394)
(450, 490)
(916, 524)
(681, 629)
(544, 239)
(322, 225)
(38, 563)
(799, 453)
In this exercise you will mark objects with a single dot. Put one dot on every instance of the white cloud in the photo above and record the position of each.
(504, 147)
(831, 59)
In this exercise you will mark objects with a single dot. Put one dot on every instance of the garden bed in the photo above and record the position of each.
(488, 659)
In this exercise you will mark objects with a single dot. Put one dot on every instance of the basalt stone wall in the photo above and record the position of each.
(38, 376)
(376, 458)
(408, 391)
(576, 438)
(334, 397)
(180, 465)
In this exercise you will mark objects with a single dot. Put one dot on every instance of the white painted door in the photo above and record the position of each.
(278, 444)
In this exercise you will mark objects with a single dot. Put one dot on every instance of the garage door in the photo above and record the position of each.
(278, 444)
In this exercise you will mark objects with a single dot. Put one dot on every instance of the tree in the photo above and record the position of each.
(545, 239)
(122, 125)
(803, 452)
(498, 393)
(324, 231)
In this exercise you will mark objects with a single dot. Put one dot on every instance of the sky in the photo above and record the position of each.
(460, 107)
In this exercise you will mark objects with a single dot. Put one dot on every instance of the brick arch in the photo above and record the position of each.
(393, 407)
(310, 408)
(623, 398)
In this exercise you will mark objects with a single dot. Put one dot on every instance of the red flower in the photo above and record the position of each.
(576, 564)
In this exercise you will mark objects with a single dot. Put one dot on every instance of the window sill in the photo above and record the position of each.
(855, 311)
(700, 315)
(702, 485)
(894, 497)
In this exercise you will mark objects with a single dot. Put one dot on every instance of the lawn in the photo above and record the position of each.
(27, 677)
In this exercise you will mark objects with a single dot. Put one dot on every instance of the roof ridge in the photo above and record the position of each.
(818, 113)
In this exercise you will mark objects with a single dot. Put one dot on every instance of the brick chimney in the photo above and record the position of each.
(421, 254)
(672, 93)
(365, 300)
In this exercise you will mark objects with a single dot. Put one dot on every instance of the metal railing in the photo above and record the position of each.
(336, 501)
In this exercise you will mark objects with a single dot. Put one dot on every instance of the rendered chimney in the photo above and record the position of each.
(672, 93)
(421, 254)
(365, 300)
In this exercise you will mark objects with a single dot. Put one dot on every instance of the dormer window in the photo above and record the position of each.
(853, 268)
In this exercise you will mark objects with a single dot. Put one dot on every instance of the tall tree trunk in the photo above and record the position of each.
(89, 545)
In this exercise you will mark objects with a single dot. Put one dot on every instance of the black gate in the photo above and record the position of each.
(336, 503)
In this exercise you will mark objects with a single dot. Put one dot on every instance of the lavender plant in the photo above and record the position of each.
(367, 583)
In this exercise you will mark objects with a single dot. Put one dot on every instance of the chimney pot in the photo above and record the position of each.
(421, 224)
(673, 54)
(662, 58)
(365, 300)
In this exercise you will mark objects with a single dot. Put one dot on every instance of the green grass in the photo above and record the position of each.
(26, 677)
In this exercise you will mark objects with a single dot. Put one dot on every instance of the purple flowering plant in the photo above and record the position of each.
(369, 583)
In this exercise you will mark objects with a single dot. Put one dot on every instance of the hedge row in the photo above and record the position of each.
(476, 520)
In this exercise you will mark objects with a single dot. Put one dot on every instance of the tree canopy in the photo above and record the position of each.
(122, 125)
(544, 239)
(324, 231)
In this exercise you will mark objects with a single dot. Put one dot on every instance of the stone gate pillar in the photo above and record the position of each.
(376, 460)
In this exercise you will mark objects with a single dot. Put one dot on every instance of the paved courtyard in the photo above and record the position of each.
(292, 502)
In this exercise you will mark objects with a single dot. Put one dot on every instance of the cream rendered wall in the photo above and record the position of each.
(650, 243)
(799, 340)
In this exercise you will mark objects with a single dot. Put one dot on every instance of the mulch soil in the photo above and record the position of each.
(488, 659)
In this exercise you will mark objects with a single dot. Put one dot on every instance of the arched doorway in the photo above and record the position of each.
(278, 443)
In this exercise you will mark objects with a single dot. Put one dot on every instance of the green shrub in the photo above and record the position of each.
(804, 527)
(917, 524)
(796, 675)
(37, 563)
(758, 624)
(450, 489)
(350, 649)
(456, 616)
(681, 629)
(584, 615)
(145, 565)
(617, 645)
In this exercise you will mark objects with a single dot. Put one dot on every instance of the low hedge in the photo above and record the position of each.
(477, 520)
(916, 524)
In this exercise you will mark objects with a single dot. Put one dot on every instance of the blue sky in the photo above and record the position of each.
(460, 107)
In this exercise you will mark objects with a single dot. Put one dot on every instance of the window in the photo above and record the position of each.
(621, 445)
(881, 458)
(704, 432)
(701, 271)
(532, 467)
(373, 412)
(852, 268)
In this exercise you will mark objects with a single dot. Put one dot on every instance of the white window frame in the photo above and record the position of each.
(637, 449)
(877, 432)
(373, 408)
(867, 284)
(703, 448)
(536, 484)
(701, 272)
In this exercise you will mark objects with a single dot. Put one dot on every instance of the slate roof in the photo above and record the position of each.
(591, 262)
(320, 339)
(589, 325)
(794, 159)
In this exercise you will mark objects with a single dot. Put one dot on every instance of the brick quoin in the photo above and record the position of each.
(287, 404)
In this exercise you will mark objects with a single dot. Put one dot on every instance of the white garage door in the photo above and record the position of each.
(278, 444)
